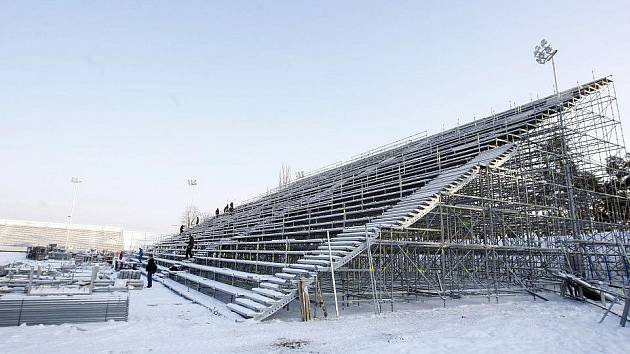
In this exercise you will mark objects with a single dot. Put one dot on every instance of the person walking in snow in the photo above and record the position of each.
(191, 244)
(151, 268)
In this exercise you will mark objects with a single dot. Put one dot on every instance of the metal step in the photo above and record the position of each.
(346, 237)
(386, 218)
(310, 267)
(269, 293)
(276, 280)
(271, 286)
(319, 262)
(250, 304)
(260, 298)
(360, 232)
(335, 253)
(322, 256)
(420, 202)
(337, 242)
(401, 213)
(242, 310)
(384, 224)
(302, 272)
(336, 248)
(406, 209)
(286, 276)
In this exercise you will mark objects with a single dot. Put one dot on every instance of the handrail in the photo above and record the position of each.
(398, 143)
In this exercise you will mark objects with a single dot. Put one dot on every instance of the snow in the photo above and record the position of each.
(163, 322)
(8, 257)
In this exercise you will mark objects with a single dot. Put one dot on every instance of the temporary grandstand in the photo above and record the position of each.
(20, 234)
(500, 205)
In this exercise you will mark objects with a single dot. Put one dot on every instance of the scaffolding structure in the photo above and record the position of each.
(498, 206)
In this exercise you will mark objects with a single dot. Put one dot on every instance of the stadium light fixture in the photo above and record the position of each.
(75, 181)
(545, 53)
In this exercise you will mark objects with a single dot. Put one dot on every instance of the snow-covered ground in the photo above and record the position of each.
(162, 322)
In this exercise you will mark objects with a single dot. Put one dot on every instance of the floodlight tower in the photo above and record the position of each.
(192, 182)
(75, 181)
(543, 54)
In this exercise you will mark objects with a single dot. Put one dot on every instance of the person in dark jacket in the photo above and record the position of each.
(216, 212)
(227, 207)
(191, 244)
(151, 268)
(197, 222)
(118, 265)
(181, 229)
(231, 207)
(140, 254)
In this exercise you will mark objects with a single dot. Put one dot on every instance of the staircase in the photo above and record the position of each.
(279, 290)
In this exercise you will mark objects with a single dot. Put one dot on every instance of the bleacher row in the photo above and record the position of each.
(251, 258)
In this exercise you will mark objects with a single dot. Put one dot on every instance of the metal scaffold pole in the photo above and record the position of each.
(332, 274)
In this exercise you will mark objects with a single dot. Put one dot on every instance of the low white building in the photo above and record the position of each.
(19, 234)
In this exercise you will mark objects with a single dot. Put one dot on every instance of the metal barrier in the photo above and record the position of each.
(18, 309)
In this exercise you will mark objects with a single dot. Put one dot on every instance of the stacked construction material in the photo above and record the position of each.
(18, 309)
(130, 279)
(129, 274)
(54, 277)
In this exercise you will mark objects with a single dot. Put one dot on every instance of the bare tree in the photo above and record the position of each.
(285, 176)
(190, 215)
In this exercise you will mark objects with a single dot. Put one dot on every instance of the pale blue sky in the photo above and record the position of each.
(136, 97)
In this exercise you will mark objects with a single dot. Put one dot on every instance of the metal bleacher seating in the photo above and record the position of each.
(250, 259)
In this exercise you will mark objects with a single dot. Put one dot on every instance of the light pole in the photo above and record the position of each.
(75, 181)
(192, 182)
(543, 54)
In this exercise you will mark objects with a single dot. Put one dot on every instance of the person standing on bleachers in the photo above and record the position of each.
(231, 207)
(216, 212)
(189, 248)
(151, 268)
(140, 254)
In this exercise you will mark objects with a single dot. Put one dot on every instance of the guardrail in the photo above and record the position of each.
(19, 309)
